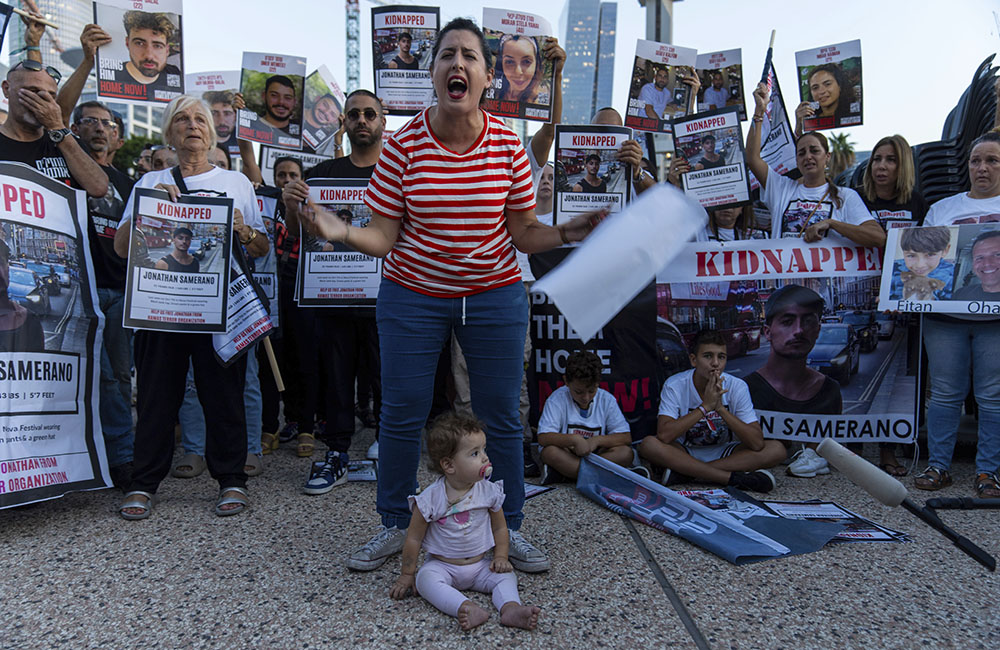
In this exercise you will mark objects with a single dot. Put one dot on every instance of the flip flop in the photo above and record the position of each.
(132, 502)
(241, 498)
(253, 465)
(193, 463)
(306, 444)
(893, 469)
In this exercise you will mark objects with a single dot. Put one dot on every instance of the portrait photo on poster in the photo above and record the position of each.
(830, 83)
(323, 107)
(657, 92)
(144, 61)
(712, 143)
(272, 86)
(402, 42)
(721, 76)
(218, 89)
(522, 76)
(588, 175)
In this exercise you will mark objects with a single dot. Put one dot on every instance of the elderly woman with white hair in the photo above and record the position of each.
(162, 358)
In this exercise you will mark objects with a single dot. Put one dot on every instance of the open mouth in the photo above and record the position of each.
(457, 87)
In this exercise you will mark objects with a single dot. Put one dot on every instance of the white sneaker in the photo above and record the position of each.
(806, 463)
(374, 553)
(525, 556)
(372, 453)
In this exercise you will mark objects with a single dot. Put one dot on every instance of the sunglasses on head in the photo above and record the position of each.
(35, 66)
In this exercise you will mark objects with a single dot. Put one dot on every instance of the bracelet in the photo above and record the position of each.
(26, 48)
(562, 234)
(703, 411)
(253, 235)
(758, 118)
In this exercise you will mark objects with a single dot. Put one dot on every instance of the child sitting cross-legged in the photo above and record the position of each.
(458, 519)
(707, 428)
(580, 418)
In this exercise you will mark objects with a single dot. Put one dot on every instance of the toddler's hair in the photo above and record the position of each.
(584, 366)
(932, 239)
(445, 433)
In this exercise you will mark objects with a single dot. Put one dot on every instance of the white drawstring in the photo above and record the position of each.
(463, 310)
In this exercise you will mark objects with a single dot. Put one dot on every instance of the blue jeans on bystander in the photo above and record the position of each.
(116, 380)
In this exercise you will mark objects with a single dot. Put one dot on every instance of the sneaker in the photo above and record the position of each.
(372, 453)
(288, 432)
(551, 475)
(640, 470)
(327, 474)
(374, 553)
(524, 556)
(531, 469)
(806, 463)
(759, 481)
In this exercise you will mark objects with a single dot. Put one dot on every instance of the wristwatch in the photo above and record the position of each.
(58, 135)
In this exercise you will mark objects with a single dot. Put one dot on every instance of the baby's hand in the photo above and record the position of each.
(501, 565)
(402, 588)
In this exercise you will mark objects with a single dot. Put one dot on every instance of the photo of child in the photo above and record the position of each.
(924, 268)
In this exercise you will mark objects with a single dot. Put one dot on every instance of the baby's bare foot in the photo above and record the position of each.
(471, 615)
(523, 616)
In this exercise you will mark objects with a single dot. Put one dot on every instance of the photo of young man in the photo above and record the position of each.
(147, 37)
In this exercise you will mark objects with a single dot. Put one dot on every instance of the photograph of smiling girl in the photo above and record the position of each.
(144, 61)
(324, 103)
(830, 83)
(522, 77)
(272, 87)
(402, 39)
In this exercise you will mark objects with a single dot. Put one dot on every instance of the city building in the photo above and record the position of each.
(605, 70)
(588, 28)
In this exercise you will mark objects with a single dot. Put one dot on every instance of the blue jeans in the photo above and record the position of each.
(412, 330)
(116, 380)
(192, 419)
(953, 349)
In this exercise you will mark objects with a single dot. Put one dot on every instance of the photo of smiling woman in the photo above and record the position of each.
(522, 75)
(519, 70)
(831, 90)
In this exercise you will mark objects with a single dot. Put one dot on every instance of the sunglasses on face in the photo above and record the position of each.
(35, 66)
(355, 114)
(94, 121)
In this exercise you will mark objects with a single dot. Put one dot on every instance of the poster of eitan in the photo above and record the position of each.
(178, 261)
(324, 105)
(522, 76)
(712, 143)
(218, 90)
(332, 273)
(402, 39)
(272, 87)
(801, 329)
(721, 76)
(588, 174)
(657, 92)
(50, 343)
(830, 82)
(144, 61)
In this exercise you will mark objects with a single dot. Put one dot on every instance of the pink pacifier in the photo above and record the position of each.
(486, 471)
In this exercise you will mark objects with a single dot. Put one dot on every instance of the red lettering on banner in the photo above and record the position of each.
(26, 201)
(770, 256)
(819, 257)
(841, 257)
(798, 260)
(706, 263)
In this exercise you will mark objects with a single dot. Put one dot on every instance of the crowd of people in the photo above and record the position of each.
(453, 300)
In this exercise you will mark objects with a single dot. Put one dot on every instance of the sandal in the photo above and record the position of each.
(238, 496)
(253, 466)
(268, 442)
(987, 485)
(131, 501)
(932, 478)
(893, 469)
(307, 442)
(190, 466)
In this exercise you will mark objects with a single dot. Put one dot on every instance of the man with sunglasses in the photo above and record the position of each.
(350, 337)
(35, 133)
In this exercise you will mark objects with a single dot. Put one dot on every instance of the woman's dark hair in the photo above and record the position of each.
(744, 223)
(539, 67)
(989, 136)
(468, 25)
(225, 150)
(834, 193)
(284, 159)
(846, 89)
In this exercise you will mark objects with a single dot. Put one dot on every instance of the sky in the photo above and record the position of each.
(917, 55)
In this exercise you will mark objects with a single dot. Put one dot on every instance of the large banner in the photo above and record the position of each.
(712, 143)
(50, 343)
(332, 273)
(402, 40)
(522, 77)
(144, 61)
(943, 270)
(588, 175)
(658, 92)
(218, 89)
(721, 76)
(324, 106)
(824, 333)
(830, 80)
(272, 87)
(178, 261)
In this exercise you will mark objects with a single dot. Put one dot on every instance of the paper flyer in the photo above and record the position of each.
(522, 77)
(721, 76)
(657, 93)
(712, 143)
(588, 175)
(830, 80)
(402, 39)
(272, 87)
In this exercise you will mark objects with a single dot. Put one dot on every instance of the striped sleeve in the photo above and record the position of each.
(385, 189)
(522, 188)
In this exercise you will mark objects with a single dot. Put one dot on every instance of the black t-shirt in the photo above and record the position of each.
(403, 65)
(42, 154)
(886, 212)
(173, 265)
(827, 401)
(103, 215)
(169, 79)
(601, 187)
(708, 164)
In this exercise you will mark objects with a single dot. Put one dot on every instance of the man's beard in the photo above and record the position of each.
(270, 113)
(365, 140)
(150, 73)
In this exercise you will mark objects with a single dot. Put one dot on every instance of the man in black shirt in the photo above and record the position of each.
(709, 158)
(403, 59)
(591, 182)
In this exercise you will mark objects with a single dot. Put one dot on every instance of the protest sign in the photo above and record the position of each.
(522, 76)
(658, 93)
(712, 143)
(178, 262)
(588, 175)
(332, 273)
(777, 142)
(5, 11)
(50, 343)
(856, 528)
(265, 269)
(144, 61)
(865, 392)
(402, 40)
(269, 156)
(247, 318)
(830, 80)
(272, 87)
(218, 89)
(324, 104)
(721, 76)
(942, 269)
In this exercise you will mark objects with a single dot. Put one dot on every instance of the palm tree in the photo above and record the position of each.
(841, 154)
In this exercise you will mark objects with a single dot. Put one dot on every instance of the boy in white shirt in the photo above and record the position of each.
(707, 428)
(580, 418)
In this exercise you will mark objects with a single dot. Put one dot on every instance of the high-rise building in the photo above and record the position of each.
(588, 27)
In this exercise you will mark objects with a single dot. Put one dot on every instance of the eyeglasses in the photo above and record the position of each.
(94, 121)
(35, 66)
(158, 147)
(355, 114)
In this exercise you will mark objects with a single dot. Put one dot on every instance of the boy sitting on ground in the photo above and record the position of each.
(707, 428)
(580, 418)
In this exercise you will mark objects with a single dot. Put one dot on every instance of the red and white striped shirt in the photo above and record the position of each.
(453, 241)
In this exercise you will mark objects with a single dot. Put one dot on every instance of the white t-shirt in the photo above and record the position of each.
(657, 98)
(217, 182)
(794, 207)
(960, 209)
(717, 97)
(679, 397)
(562, 415)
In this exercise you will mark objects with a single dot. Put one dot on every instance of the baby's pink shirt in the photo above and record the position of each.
(463, 529)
